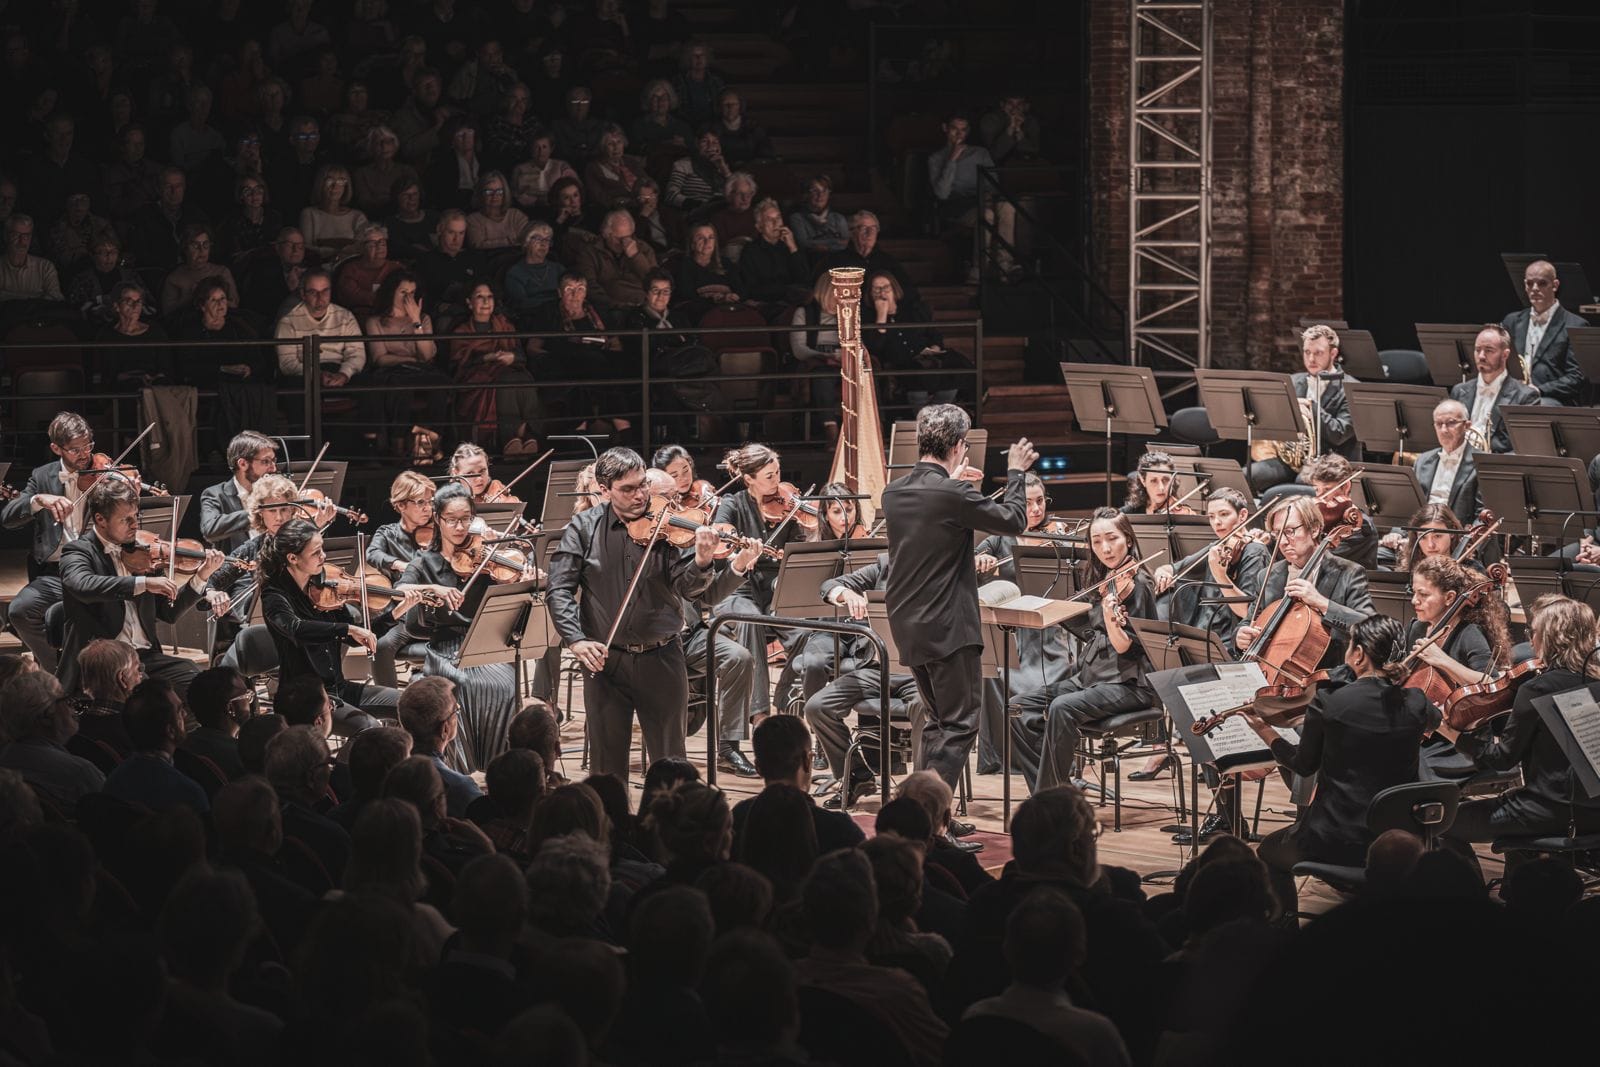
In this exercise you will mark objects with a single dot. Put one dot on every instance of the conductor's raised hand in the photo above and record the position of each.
(592, 654)
(1020, 456)
(705, 546)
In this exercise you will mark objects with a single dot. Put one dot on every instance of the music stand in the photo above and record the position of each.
(1391, 595)
(1585, 341)
(161, 515)
(1388, 494)
(1359, 354)
(1337, 324)
(340, 551)
(329, 475)
(1394, 418)
(562, 480)
(1172, 644)
(796, 591)
(1448, 349)
(1537, 430)
(1047, 570)
(510, 626)
(498, 514)
(1112, 400)
(903, 443)
(1582, 586)
(1534, 576)
(1575, 289)
(1216, 473)
(1571, 719)
(1176, 535)
(545, 547)
(1244, 405)
(1537, 493)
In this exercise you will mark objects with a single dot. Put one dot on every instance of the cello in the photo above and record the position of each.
(1291, 642)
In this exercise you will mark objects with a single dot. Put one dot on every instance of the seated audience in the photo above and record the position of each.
(531, 281)
(37, 723)
(612, 177)
(359, 280)
(375, 180)
(658, 123)
(317, 314)
(534, 178)
(221, 702)
(494, 224)
(818, 229)
(178, 292)
(153, 717)
(428, 714)
(698, 178)
(329, 223)
(24, 276)
(615, 266)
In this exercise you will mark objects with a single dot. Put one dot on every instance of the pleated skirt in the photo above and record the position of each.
(488, 698)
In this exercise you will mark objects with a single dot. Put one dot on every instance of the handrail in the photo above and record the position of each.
(783, 622)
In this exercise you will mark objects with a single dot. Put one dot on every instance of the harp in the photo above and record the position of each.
(858, 459)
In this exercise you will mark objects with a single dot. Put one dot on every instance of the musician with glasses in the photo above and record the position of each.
(224, 520)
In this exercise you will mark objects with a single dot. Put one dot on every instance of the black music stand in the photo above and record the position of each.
(1394, 418)
(1244, 405)
(1111, 400)
(1216, 473)
(1388, 494)
(1537, 430)
(1172, 644)
(801, 572)
(1358, 353)
(1535, 495)
(329, 475)
(511, 625)
(903, 455)
(1391, 595)
(1047, 570)
(1516, 264)
(1583, 586)
(498, 514)
(161, 514)
(1574, 720)
(1176, 535)
(561, 482)
(1585, 342)
(1448, 349)
(1534, 576)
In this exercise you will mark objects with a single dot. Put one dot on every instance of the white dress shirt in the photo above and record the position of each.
(132, 632)
(1483, 407)
(1444, 475)
(1537, 324)
(69, 489)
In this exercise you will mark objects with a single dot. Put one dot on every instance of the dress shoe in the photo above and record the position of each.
(961, 829)
(1168, 762)
(965, 846)
(733, 761)
(1215, 824)
(819, 762)
(859, 787)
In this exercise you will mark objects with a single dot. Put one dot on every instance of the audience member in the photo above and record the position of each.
(430, 714)
(412, 227)
(360, 278)
(772, 269)
(663, 1019)
(153, 718)
(36, 722)
(569, 881)
(90, 290)
(108, 671)
(752, 1000)
(221, 701)
(742, 140)
(386, 860)
(494, 224)
(897, 871)
(476, 989)
(531, 281)
(155, 230)
(698, 86)
(863, 252)
(612, 176)
(698, 178)
(316, 315)
(273, 282)
(329, 224)
(372, 754)
(616, 265)
(178, 292)
(735, 217)
(534, 178)
(452, 177)
(376, 179)
(658, 122)
(450, 269)
(24, 276)
(253, 225)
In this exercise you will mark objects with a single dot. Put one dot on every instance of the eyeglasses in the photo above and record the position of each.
(1446, 424)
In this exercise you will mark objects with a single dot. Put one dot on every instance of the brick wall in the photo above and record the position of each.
(1277, 208)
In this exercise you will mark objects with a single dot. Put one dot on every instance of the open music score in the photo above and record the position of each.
(1032, 612)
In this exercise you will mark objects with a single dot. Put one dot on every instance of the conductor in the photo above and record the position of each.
(932, 591)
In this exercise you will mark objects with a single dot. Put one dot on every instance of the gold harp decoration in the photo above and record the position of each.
(858, 460)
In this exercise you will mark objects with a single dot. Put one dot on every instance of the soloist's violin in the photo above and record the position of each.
(678, 526)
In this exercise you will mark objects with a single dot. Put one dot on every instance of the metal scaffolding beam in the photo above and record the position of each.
(1169, 168)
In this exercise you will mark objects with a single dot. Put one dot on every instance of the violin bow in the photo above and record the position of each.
(529, 469)
(1135, 561)
(361, 580)
(118, 461)
(309, 470)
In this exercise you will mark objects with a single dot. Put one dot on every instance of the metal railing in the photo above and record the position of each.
(826, 626)
(637, 345)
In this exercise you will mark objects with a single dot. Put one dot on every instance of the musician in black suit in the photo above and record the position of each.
(50, 501)
(310, 640)
(224, 521)
(932, 590)
(1539, 332)
(1550, 799)
(1227, 510)
(100, 581)
(1492, 388)
(1360, 741)
(1336, 432)
(1337, 591)
(1447, 473)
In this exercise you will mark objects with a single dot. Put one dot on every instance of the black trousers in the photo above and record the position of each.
(830, 706)
(179, 672)
(656, 685)
(358, 706)
(736, 677)
(952, 693)
(1045, 733)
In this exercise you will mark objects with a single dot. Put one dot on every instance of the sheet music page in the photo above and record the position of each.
(1236, 684)
(1582, 716)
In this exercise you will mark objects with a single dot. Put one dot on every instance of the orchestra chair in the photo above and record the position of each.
(1404, 366)
(1192, 426)
(905, 738)
(1581, 852)
(1105, 740)
(1427, 809)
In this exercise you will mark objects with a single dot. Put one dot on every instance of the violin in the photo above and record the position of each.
(505, 563)
(423, 536)
(703, 495)
(317, 498)
(678, 526)
(1055, 526)
(1470, 706)
(8, 492)
(147, 554)
(1291, 642)
(336, 587)
(1433, 683)
(786, 502)
(101, 464)
(496, 493)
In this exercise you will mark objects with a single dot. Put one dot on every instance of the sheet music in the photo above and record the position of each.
(1236, 684)
(1582, 716)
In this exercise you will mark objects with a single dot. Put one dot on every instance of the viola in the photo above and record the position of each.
(785, 502)
(101, 464)
(1471, 705)
(678, 526)
(317, 498)
(336, 587)
(1480, 531)
(1433, 683)
(1291, 642)
(505, 563)
(1053, 527)
(702, 494)
(147, 554)
(495, 493)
